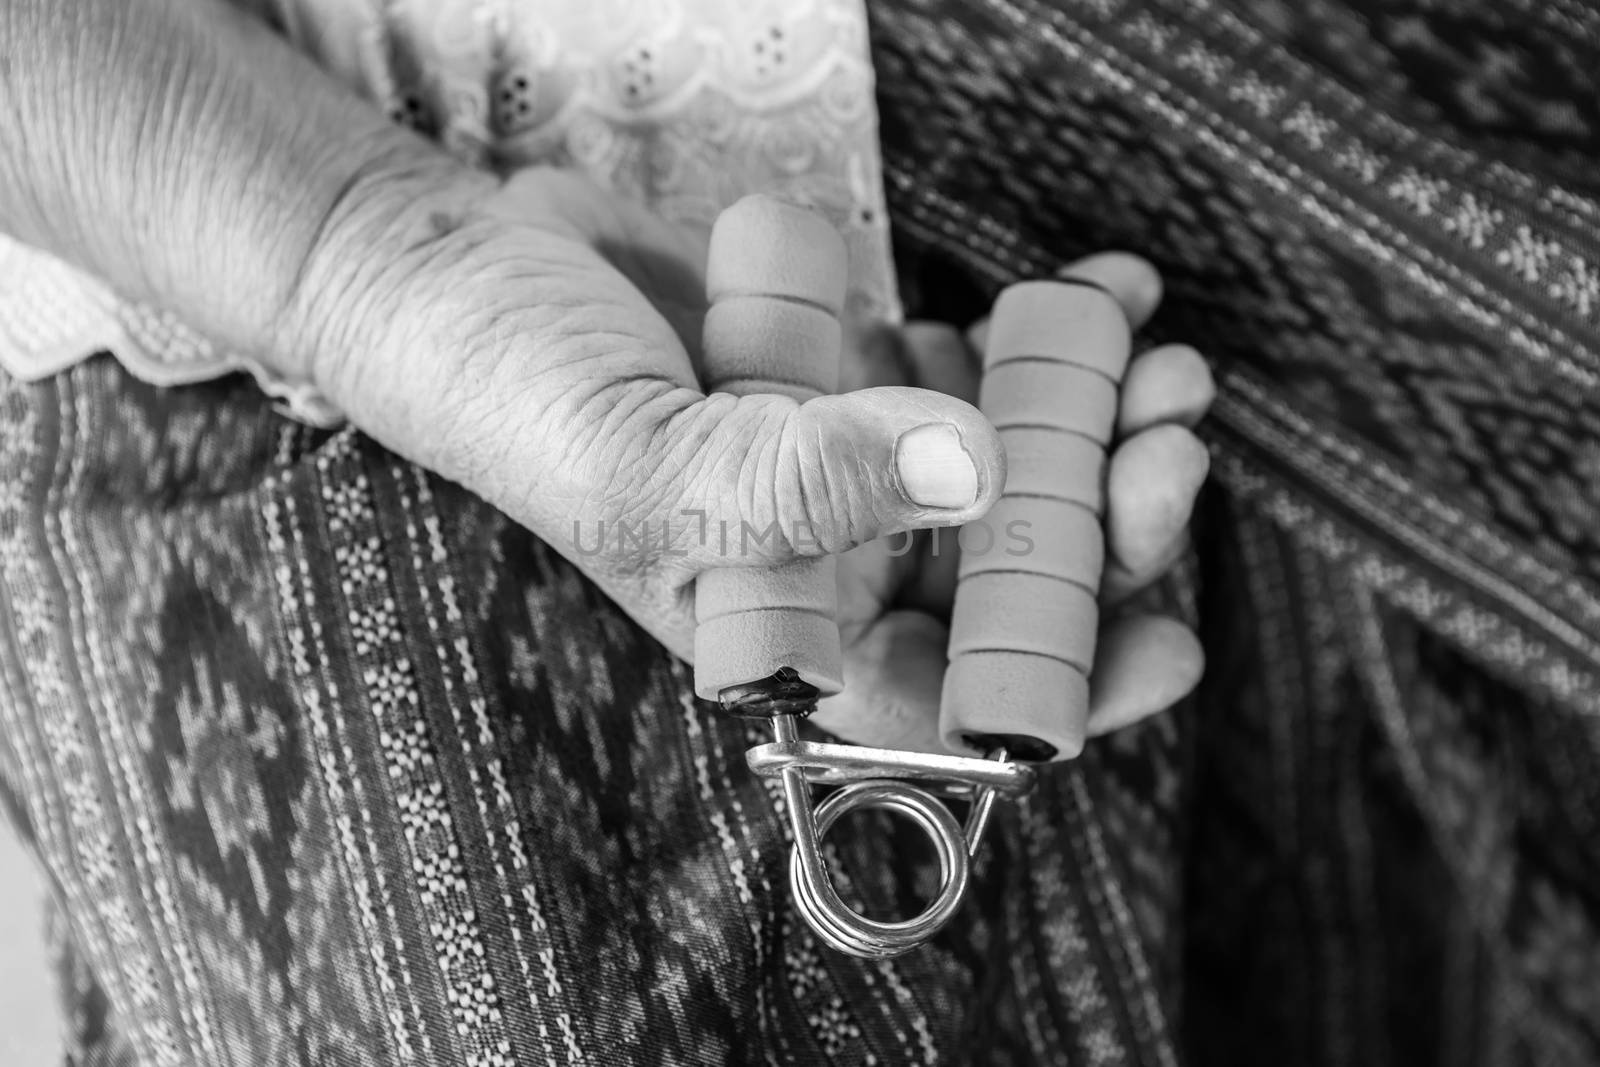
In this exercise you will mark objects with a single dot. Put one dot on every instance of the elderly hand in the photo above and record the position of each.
(535, 341)
(532, 339)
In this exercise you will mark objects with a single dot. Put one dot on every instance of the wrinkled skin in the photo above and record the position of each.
(535, 340)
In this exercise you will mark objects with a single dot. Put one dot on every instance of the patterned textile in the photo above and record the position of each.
(331, 764)
(1380, 219)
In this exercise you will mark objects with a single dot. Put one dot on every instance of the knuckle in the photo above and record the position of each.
(826, 486)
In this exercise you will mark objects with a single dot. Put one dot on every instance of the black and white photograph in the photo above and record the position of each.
(857, 533)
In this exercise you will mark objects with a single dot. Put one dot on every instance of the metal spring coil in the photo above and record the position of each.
(835, 922)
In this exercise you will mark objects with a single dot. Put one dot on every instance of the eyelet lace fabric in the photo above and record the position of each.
(685, 105)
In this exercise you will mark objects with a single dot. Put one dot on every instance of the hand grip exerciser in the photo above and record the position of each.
(775, 278)
(766, 640)
(1022, 635)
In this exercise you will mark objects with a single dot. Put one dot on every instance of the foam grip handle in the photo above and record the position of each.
(1022, 636)
(775, 278)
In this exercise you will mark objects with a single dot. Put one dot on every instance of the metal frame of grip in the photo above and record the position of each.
(906, 783)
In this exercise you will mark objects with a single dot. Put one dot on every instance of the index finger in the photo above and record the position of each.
(1131, 280)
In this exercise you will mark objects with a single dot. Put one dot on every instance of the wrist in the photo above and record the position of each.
(392, 205)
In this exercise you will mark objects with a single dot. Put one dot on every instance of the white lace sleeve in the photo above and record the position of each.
(53, 316)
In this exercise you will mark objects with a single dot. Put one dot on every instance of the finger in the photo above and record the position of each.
(873, 356)
(1171, 383)
(815, 478)
(1144, 664)
(939, 359)
(1151, 486)
(1119, 584)
(896, 668)
(1132, 280)
(932, 588)
(869, 576)
(928, 355)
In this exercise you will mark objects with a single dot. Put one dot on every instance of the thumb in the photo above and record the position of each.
(772, 479)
